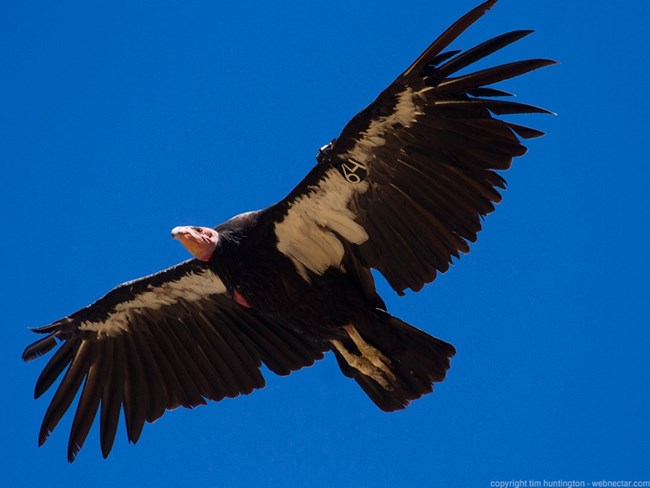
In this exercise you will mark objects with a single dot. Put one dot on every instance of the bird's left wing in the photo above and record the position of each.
(405, 185)
(171, 339)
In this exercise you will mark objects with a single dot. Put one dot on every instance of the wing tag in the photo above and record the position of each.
(353, 172)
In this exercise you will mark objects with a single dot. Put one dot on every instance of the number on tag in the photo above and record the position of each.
(354, 172)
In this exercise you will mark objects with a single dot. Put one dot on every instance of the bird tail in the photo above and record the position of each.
(392, 361)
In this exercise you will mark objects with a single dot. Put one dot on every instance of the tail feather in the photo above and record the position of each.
(392, 361)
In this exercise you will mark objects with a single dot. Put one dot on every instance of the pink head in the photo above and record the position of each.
(200, 241)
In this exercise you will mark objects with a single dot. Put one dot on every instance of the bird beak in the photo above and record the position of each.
(178, 232)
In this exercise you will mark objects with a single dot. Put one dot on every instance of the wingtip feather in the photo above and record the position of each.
(449, 35)
(39, 348)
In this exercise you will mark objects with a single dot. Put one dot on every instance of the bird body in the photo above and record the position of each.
(402, 190)
(249, 264)
(334, 309)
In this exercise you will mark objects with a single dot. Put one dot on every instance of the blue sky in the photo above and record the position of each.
(122, 120)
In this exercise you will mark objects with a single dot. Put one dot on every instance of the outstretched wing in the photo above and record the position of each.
(171, 339)
(406, 184)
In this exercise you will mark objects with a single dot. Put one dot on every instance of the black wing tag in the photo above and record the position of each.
(352, 171)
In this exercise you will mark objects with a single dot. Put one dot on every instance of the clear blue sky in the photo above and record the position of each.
(120, 120)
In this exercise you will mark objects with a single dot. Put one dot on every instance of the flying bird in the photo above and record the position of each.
(403, 189)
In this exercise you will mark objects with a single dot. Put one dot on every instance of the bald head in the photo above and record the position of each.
(200, 241)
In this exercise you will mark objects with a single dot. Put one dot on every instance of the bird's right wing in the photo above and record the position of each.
(171, 339)
(406, 184)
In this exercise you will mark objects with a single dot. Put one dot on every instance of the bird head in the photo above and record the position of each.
(200, 241)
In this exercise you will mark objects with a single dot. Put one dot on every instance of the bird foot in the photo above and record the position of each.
(370, 361)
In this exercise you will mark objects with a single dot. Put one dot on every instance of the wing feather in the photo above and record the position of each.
(88, 402)
(136, 391)
(55, 367)
(66, 391)
(112, 395)
(475, 54)
(158, 396)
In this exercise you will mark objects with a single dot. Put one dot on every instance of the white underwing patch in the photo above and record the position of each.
(308, 234)
(404, 114)
(190, 288)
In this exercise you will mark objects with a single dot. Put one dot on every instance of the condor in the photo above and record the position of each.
(402, 190)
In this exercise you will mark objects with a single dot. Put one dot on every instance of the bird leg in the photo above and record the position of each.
(370, 361)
